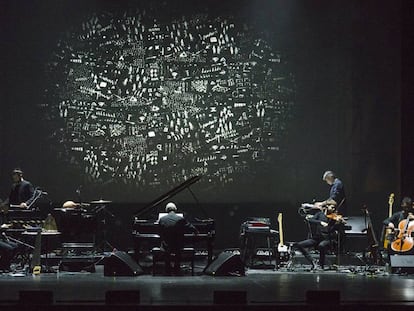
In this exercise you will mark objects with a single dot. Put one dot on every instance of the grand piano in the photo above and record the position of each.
(146, 231)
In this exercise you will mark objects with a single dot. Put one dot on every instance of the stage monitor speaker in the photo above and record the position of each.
(121, 264)
(226, 264)
(77, 264)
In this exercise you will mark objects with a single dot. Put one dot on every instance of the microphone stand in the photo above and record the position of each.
(105, 212)
(78, 192)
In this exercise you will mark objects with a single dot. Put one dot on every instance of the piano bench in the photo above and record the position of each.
(187, 253)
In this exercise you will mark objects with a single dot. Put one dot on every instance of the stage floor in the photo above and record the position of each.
(263, 287)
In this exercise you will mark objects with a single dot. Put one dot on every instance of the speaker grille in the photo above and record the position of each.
(226, 264)
(121, 264)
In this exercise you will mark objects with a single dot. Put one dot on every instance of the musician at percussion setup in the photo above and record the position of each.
(77, 222)
(337, 198)
(22, 193)
(172, 228)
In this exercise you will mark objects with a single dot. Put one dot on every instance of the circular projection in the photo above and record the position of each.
(136, 101)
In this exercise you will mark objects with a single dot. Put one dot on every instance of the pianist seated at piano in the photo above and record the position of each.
(172, 228)
(22, 193)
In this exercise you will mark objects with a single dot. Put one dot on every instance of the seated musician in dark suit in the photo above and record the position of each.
(21, 195)
(321, 237)
(172, 229)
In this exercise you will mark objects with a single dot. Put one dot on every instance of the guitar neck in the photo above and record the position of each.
(390, 204)
(280, 221)
(390, 211)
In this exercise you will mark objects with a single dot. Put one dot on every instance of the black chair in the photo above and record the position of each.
(187, 253)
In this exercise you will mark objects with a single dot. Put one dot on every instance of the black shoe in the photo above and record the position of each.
(316, 266)
(313, 265)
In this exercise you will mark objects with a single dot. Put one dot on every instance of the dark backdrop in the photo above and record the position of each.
(345, 58)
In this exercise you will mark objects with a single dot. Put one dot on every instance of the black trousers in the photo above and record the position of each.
(7, 250)
(322, 245)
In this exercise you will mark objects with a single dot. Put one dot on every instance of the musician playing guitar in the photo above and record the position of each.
(22, 192)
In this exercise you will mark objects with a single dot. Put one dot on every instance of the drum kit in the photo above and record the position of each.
(69, 206)
(79, 222)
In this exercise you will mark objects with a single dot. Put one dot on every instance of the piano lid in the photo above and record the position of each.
(164, 197)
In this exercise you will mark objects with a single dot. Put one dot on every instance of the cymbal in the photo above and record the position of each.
(101, 202)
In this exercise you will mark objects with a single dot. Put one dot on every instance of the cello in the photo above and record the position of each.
(404, 241)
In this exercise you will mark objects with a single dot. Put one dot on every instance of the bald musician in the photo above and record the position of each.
(70, 205)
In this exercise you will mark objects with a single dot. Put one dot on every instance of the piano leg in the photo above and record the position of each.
(209, 252)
